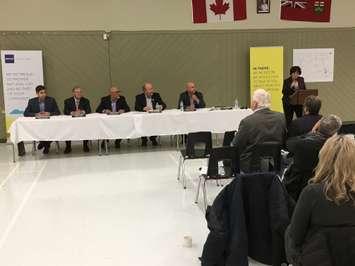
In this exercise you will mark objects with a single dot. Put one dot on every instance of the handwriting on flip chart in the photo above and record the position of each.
(317, 64)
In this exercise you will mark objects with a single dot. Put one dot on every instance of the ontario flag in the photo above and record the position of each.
(306, 10)
(205, 11)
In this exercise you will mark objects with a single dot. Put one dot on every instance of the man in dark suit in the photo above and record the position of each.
(115, 103)
(290, 86)
(146, 101)
(191, 98)
(76, 105)
(42, 105)
(304, 150)
(304, 124)
(261, 126)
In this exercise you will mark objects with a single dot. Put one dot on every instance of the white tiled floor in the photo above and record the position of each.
(126, 208)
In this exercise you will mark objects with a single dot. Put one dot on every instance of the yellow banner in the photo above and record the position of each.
(266, 72)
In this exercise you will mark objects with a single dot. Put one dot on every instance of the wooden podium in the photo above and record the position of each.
(299, 96)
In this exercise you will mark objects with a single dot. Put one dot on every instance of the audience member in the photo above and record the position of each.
(304, 151)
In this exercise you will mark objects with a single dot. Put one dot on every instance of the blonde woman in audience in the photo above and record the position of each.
(322, 229)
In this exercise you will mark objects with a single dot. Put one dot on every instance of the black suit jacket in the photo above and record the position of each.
(141, 101)
(303, 125)
(287, 91)
(185, 98)
(261, 126)
(50, 106)
(69, 105)
(304, 150)
(105, 104)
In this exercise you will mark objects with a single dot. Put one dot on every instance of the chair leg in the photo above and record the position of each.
(198, 190)
(204, 195)
(217, 183)
(13, 153)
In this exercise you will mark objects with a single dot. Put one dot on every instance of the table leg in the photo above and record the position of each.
(106, 147)
(99, 147)
(13, 153)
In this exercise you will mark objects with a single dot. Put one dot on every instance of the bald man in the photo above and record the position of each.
(113, 103)
(191, 98)
(147, 101)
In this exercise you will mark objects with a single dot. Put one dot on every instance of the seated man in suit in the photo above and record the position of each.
(148, 100)
(261, 126)
(40, 105)
(113, 103)
(304, 151)
(191, 98)
(304, 124)
(76, 105)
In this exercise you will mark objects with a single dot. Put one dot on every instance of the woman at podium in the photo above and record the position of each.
(291, 85)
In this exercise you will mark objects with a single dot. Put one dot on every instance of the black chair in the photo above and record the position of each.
(267, 157)
(228, 138)
(192, 152)
(347, 127)
(223, 163)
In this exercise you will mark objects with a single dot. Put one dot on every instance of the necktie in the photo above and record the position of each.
(113, 105)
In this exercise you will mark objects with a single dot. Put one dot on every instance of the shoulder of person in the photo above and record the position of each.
(313, 189)
(140, 95)
(68, 99)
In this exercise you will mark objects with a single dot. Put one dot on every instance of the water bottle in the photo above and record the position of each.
(236, 104)
(181, 106)
(221, 168)
(158, 107)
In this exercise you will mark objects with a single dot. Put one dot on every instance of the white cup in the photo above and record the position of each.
(187, 242)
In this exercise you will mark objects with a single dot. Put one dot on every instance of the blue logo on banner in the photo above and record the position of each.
(9, 58)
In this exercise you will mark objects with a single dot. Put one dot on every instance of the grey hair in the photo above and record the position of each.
(329, 125)
(262, 97)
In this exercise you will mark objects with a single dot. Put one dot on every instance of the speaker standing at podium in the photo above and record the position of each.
(290, 86)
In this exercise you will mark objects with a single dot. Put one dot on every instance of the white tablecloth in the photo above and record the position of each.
(128, 125)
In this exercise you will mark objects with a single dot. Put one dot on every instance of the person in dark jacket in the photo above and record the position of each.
(77, 104)
(261, 126)
(327, 202)
(115, 103)
(304, 150)
(191, 98)
(304, 124)
(290, 86)
(146, 101)
(248, 218)
(42, 105)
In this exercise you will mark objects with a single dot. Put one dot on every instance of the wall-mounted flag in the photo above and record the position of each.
(306, 10)
(205, 11)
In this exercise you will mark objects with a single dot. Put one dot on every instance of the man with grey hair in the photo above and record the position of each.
(304, 151)
(263, 125)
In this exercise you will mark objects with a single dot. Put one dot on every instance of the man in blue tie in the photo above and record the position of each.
(42, 105)
(113, 103)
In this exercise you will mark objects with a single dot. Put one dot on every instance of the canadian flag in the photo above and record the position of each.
(218, 10)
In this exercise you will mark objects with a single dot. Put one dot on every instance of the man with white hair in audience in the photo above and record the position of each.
(261, 126)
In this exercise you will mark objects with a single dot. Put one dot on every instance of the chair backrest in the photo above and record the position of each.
(193, 139)
(347, 127)
(228, 137)
(223, 162)
(263, 153)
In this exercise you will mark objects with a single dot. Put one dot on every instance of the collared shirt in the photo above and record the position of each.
(149, 102)
(261, 108)
(192, 103)
(41, 107)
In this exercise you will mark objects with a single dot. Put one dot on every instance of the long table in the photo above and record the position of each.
(125, 126)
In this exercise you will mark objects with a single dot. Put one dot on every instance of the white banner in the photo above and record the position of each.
(22, 71)
(317, 64)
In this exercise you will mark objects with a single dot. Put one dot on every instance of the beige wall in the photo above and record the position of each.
(143, 15)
